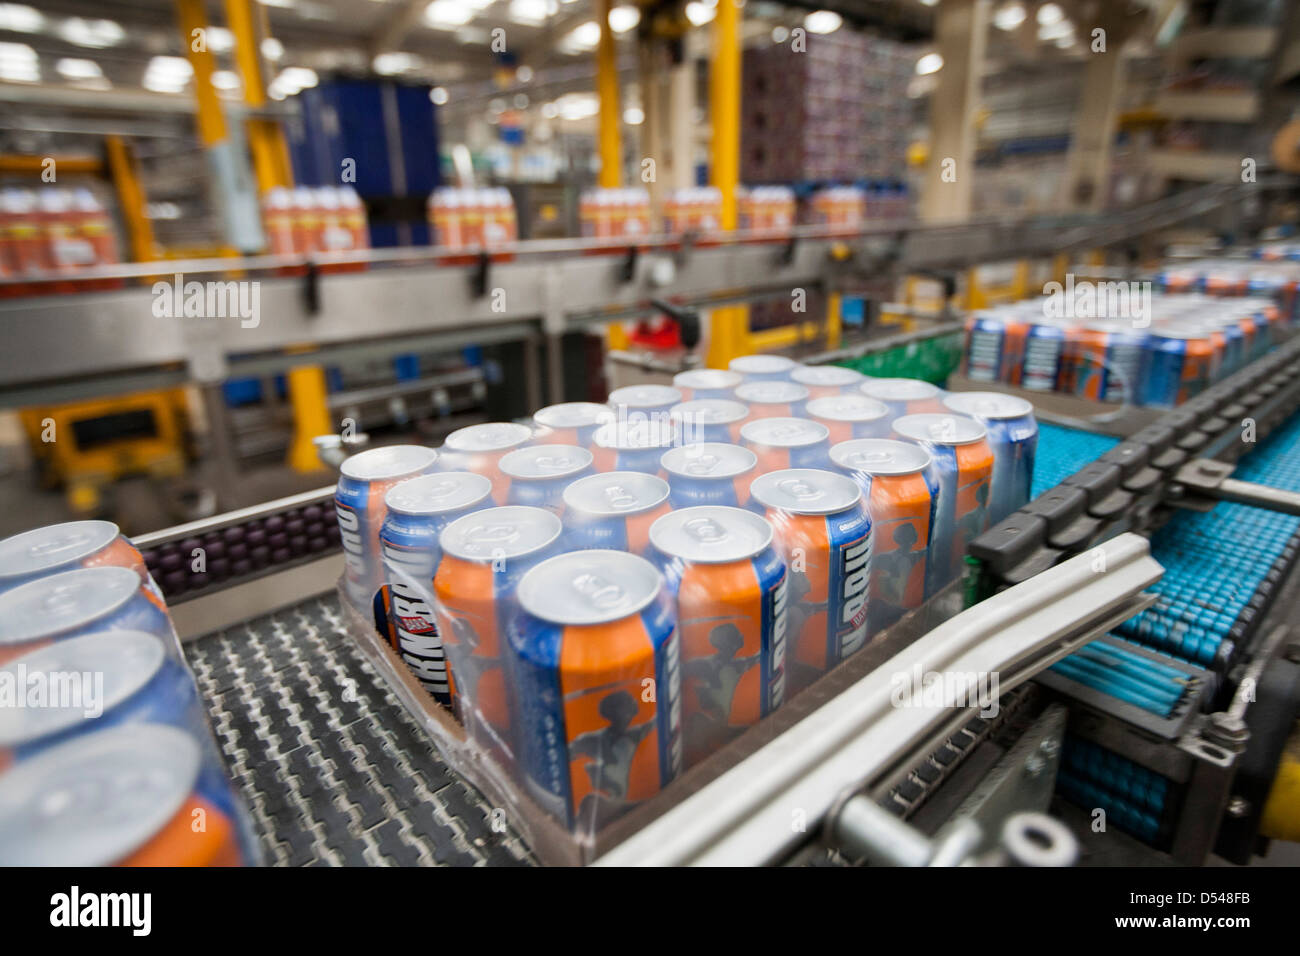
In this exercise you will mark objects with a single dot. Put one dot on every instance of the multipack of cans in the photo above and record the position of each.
(306, 220)
(52, 231)
(839, 206)
(106, 757)
(760, 208)
(470, 218)
(614, 213)
(607, 595)
(1276, 279)
(1161, 351)
(695, 209)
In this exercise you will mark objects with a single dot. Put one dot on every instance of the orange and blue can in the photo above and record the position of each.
(613, 510)
(710, 473)
(902, 494)
(825, 381)
(1041, 367)
(763, 368)
(135, 683)
(963, 468)
(418, 510)
(904, 396)
(1177, 367)
(1107, 361)
(66, 547)
(571, 423)
(597, 629)
(364, 480)
(729, 586)
(480, 448)
(1012, 437)
(85, 601)
(539, 474)
(823, 532)
(709, 419)
(850, 416)
(633, 446)
(123, 796)
(781, 443)
(773, 399)
(484, 556)
(698, 383)
(644, 402)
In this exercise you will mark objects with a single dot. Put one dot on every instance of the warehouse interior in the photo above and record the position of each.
(244, 241)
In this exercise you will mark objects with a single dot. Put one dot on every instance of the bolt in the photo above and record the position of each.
(1238, 807)
(1050, 747)
(1035, 765)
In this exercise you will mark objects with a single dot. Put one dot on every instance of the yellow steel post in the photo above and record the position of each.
(609, 134)
(265, 137)
(130, 197)
(194, 23)
(306, 383)
(728, 327)
(611, 146)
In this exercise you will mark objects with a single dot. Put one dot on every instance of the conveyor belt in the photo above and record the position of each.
(330, 766)
(1063, 451)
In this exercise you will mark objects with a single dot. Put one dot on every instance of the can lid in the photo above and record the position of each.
(707, 378)
(880, 456)
(708, 459)
(708, 411)
(63, 602)
(827, 376)
(490, 436)
(616, 493)
(939, 429)
(124, 660)
(989, 405)
(784, 432)
(545, 461)
(97, 798)
(510, 531)
(711, 534)
(645, 396)
(589, 587)
(573, 415)
(438, 493)
(853, 407)
(53, 546)
(899, 389)
(805, 491)
(391, 461)
(629, 436)
(771, 393)
(761, 364)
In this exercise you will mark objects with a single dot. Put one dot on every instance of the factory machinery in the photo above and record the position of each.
(1146, 676)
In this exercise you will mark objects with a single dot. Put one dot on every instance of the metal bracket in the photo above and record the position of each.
(1201, 484)
(785, 257)
(311, 288)
(627, 269)
(478, 279)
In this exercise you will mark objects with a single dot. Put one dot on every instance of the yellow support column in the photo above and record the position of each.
(211, 120)
(611, 145)
(130, 198)
(306, 383)
(265, 137)
(609, 136)
(728, 327)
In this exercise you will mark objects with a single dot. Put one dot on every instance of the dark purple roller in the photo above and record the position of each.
(298, 543)
(294, 526)
(233, 534)
(277, 540)
(173, 582)
(332, 533)
(260, 556)
(313, 513)
(219, 569)
(281, 556)
(171, 561)
(317, 543)
(274, 524)
(237, 550)
(240, 567)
